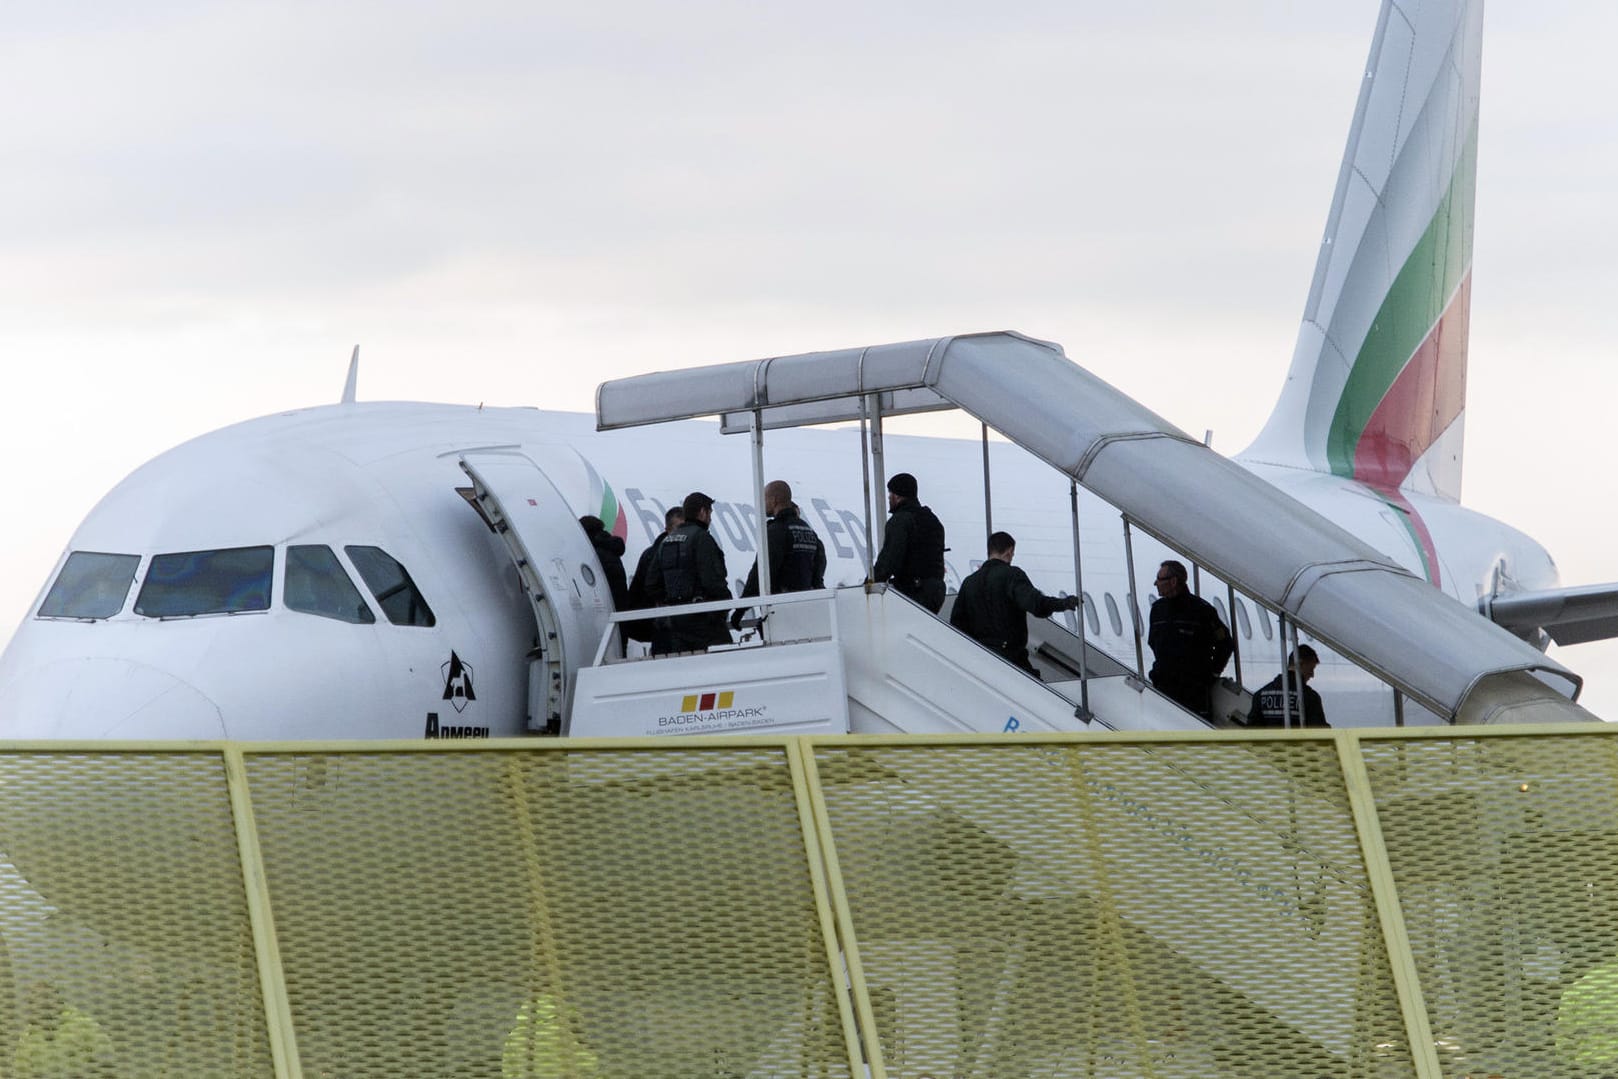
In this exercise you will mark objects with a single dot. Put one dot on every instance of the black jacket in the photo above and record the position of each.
(637, 583)
(1270, 710)
(643, 629)
(1190, 645)
(690, 568)
(912, 555)
(610, 550)
(993, 605)
(797, 557)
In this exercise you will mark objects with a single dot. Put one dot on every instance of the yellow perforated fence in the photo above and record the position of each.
(1417, 903)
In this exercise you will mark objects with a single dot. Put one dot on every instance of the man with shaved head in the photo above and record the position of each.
(797, 557)
(1190, 644)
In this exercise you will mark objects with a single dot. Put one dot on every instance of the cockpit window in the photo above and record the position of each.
(388, 581)
(316, 584)
(207, 582)
(90, 585)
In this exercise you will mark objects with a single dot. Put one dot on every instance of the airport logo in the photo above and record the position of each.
(707, 702)
(712, 710)
(458, 683)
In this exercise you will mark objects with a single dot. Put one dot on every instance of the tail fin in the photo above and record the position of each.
(352, 380)
(1377, 387)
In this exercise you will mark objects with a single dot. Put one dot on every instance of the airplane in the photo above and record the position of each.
(323, 573)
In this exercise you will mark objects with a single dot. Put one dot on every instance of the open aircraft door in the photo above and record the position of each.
(559, 571)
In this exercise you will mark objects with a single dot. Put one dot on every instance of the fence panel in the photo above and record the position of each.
(1059, 908)
(589, 912)
(125, 944)
(1505, 854)
(1047, 906)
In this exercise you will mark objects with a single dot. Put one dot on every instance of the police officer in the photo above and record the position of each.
(645, 629)
(912, 555)
(1190, 644)
(797, 557)
(1271, 705)
(995, 600)
(690, 568)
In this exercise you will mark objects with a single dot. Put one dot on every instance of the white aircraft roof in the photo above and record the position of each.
(1221, 516)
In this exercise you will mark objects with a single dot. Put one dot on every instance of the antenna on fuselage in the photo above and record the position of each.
(353, 377)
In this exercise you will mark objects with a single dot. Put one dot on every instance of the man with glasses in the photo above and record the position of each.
(1190, 644)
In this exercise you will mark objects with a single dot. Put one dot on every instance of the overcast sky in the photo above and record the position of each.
(204, 206)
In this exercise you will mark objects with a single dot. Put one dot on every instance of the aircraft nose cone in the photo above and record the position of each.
(105, 698)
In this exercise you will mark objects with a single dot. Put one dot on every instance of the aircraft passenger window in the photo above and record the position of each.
(390, 583)
(316, 584)
(1241, 620)
(207, 582)
(1264, 622)
(1091, 617)
(90, 585)
(1112, 615)
(1219, 605)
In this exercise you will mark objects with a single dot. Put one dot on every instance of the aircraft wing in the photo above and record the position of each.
(1570, 615)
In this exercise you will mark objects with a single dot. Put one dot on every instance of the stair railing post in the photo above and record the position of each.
(764, 589)
(879, 470)
(1235, 634)
(1134, 608)
(1286, 695)
(865, 473)
(988, 511)
(1078, 585)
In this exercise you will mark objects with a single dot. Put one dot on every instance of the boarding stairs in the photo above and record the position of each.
(1429, 649)
(863, 660)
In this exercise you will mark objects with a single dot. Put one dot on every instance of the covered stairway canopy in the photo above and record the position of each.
(1346, 593)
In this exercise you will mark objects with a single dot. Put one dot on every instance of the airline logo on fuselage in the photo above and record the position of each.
(436, 729)
(458, 682)
(459, 693)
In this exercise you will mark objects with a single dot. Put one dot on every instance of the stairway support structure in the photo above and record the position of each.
(1169, 485)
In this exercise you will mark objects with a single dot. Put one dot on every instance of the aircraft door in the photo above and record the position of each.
(559, 572)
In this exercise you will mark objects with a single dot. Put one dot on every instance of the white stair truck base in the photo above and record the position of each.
(851, 660)
(788, 689)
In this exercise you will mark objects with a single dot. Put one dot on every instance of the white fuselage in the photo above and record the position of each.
(386, 476)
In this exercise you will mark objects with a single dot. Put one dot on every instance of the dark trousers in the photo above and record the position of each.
(690, 633)
(1016, 655)
(1192, 696)
(1019, 658)
(928, 592)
